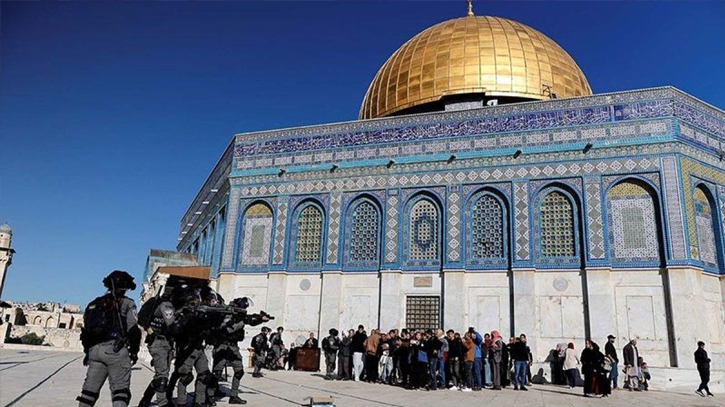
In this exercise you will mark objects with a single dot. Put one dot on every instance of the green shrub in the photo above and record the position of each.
(31, 338)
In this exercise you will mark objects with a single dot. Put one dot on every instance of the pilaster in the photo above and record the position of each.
(685, 293)
(455, 313)
(391, 314)
(600, 298)
(524, 297)
(331, 299)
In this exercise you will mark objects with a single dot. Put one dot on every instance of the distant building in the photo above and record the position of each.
(6, 252)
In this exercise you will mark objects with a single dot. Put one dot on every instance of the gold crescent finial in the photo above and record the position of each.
(470, 7)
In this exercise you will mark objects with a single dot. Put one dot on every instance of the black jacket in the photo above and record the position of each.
(433, 347)
(358, 342)
(455, 350)
(611, 352)
(703, 362)
(520, 352)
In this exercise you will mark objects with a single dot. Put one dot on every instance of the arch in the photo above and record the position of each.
(37, 320)
(634, 226)
(486, 225)
(307, 235)
(558, 227)
(424, 226)
(707, 226)
(363, 231)
(256, 235)
(50, 322)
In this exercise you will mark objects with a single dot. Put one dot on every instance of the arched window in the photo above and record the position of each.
(487, 236)
(363, 234)
(423, 231)
(308, 236)
(557, 226)
(705, 226)
(633, 231)
(50, 322)
(37, 320)
(256, 236)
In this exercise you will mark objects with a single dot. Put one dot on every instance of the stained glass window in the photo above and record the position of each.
(423, 233)
(364, 232)
(487, 228)
(557, 226)
(309, 235)
(705, 228)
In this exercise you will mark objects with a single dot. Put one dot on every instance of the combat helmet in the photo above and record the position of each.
(119, 280)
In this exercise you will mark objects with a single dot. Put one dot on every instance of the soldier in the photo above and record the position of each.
(190, 330)
(157, 317)
(330, 345)
(111, 340)
(227, 350)
(277, 345)
(260, 346)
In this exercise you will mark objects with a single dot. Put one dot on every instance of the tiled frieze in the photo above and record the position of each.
(229, 239)
(333, 232)
(592, 195)
(280, 229)
(521, 217)
(391, 235)
(670, 179)
(454, 223)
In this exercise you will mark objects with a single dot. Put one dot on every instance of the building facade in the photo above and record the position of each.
(504, 199)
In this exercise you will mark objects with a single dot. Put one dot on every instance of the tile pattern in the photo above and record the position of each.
(363, 235)
(454, 223)
(595, 230)
(280, 229)
(487, 229)
(705, 228)
(333, 231)
(557, 226)
(670, 179)
(391, 234)
(423, 233)
(257, 236)
(307, 235)
(232, 214)
(521, 216)
(633, 232)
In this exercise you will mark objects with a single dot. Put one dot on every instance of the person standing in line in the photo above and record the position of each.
(588, 361)
(496, 359)
(470, 352)
(455, 356)
(371, 356)
(486, 351)
(703, 368)
(276, 341)
(442, 356)
(520, 356)
(344, 355)
(358, 350)
(433, 349)
(571, 361)
(611, 353)
(404, 356)
(111, 340)
(631, 356)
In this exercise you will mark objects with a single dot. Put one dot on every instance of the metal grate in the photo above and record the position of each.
(422, 312)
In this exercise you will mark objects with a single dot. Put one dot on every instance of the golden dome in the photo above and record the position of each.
(473, 54)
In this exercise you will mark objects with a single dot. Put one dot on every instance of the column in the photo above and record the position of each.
(331, 298)
(455, 313)
(391, 304)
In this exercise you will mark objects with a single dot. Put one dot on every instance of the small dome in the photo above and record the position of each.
(5, 228)
(482, 55)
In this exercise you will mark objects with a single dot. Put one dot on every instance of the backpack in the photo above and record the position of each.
(258, 342)
(100, 320)
(146, 313)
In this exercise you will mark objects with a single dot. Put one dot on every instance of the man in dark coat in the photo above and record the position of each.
(611, 352)
(631, 365)
(703, 367)
(344, 356)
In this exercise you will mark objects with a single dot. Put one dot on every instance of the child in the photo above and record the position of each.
(644, 375)
(385, 366)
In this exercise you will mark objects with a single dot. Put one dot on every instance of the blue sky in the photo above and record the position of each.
(113, 114)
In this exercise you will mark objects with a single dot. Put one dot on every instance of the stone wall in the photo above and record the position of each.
(55, 337)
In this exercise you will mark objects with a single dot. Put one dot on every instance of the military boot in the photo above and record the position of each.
(237, 400)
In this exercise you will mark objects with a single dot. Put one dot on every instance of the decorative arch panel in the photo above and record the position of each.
(256, 236)
(634, 235)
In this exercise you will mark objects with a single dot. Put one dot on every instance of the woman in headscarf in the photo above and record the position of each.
(496, 358)
(571, 361)
(588, 360)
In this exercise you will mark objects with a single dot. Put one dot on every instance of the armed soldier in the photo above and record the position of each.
(111, 340)
(157, 317)
(227, 349)
(191, 328)
(330, 345)
(261, 347)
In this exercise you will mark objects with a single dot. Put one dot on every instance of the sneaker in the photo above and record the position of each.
(454, 388)
(710, 394)
(516, 388)
(466, 389)
(237, 400)
(700, 393)
(524, 388)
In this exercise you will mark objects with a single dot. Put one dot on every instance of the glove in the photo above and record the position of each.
(134, 358)
(85, 360)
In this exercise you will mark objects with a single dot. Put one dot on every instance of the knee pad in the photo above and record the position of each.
(186, 379)
(206, 378)
(161, 384)
(88, 397)
(122, 395)
(239, 374)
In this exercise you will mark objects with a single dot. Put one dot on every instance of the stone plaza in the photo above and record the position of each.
(34, 378)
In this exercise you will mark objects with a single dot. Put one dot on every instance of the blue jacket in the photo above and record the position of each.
(477, 340)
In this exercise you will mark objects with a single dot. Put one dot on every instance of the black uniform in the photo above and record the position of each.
(703, 367)
(159, 340)
(261, 347)
(331, 345)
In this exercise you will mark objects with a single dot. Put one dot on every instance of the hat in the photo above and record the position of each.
(610, 336)
(119, 279)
